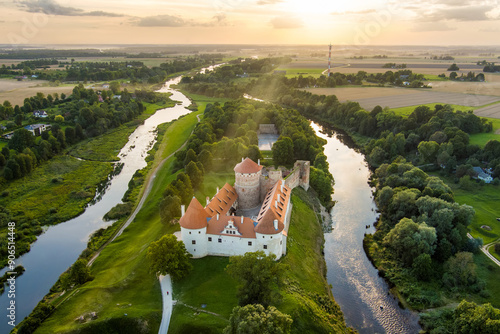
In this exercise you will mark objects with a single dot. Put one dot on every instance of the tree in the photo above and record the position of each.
(408, 240)
(453, 67)
(323, 185)
(428, 150)
(170, 208)
(422, 267)
(259, 276)
(195, 173)
(80, 272)
(283, 151)
(21, 139)
(168, 256)
(460, 271)
(472, 318)
(255, 319)
(497, 248)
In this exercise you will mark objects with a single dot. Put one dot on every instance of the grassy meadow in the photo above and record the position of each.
(57, 190)
(123, 284)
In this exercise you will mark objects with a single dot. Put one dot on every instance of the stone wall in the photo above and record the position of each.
(247, 187)
(268, 128)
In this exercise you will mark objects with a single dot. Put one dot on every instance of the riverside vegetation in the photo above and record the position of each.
(67, 165)
(116, 272)
(421, 235)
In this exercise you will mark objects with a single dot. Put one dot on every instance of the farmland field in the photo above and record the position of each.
(16, 91)
(369, 97)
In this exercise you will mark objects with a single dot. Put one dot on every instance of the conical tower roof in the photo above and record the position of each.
(195, 216)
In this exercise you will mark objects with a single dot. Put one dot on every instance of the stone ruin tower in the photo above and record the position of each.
(247, 183)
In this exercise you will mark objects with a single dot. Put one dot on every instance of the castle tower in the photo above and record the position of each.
(247, 183)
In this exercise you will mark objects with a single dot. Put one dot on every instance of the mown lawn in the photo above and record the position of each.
(123, 283)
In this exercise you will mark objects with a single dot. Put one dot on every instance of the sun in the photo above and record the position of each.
(308, 7)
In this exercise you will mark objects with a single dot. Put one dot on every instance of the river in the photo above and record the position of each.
(362, 295)
(60, 245)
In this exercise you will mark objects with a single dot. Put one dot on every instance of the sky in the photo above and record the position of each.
(354, 22)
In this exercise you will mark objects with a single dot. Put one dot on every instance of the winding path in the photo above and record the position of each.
(485, 250)
(166, 292)
(145, 194)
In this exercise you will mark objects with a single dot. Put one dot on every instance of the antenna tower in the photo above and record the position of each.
(329, 58)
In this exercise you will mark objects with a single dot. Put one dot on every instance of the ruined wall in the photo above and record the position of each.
(268, 180)
(268, 129)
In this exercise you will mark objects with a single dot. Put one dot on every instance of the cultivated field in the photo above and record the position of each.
(16, 91)
(369, 97)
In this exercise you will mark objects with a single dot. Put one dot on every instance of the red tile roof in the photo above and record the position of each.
(277, 200)
(195, 216)
(222, 201)
(247, 166)
(266, 224)
(246, 228)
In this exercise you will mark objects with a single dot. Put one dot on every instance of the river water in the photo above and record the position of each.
(60, 245)
(362, 295)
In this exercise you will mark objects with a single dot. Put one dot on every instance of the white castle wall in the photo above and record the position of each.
(199, 236)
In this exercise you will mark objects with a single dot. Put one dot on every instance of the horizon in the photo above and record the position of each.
(250, 22)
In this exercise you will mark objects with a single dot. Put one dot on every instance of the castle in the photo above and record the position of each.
(232, 224)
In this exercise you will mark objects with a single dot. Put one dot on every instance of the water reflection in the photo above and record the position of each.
(362, 295)
(60, 245)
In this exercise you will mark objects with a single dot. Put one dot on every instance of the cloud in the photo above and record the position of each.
(360, 12)
(286, 22)
(53, 8)
(455, 10)
(268, 2)
(177, 21)
(431, 26)
(161, 21)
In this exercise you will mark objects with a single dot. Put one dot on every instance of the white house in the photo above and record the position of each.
(482, 175)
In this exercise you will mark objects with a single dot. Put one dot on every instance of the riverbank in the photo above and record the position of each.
(123, 288)
(305, 296)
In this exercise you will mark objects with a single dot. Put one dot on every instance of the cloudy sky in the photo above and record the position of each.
(377, 22)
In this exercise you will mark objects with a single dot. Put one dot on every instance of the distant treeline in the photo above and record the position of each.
(135, 71)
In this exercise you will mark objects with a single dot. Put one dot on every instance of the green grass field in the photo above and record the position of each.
(123, 284)
(485, 201)
(305, 72)
(63, 183)
(202, 100)
(482, 138)
(434, 77)
(406, 111)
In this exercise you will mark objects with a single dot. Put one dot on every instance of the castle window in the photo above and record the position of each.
(189, 232)
(199, 232)
(271, 236)
(249, 243)
(281, 242)
(209, 238)
(265, 246)
(193, 242)
(220, 240)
